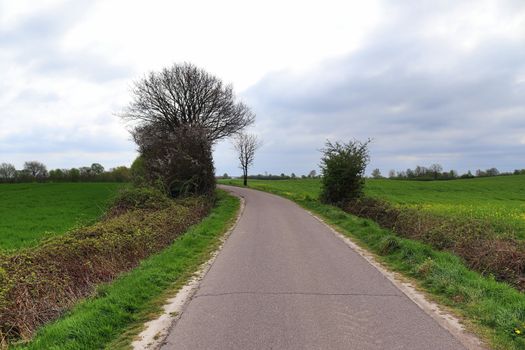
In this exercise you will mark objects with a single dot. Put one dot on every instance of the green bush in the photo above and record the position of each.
(343, 168)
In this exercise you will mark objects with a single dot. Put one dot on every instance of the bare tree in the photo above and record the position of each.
(184, 95)
(7, 172)
(436, 170)
(376, 174)
(312, 174)
(35, 169)
(246, 145)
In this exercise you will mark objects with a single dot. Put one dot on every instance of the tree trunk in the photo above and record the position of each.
(245, 180)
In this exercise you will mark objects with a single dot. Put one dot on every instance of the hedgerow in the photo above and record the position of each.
(473, 239)
(38, 284)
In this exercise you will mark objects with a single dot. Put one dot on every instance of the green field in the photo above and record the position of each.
(29, 212)
(500, 200)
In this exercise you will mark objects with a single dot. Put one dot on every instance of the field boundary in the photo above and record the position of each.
(155, 332)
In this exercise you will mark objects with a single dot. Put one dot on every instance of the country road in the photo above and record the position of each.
(283, 280)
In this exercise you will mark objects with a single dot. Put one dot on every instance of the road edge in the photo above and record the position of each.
(444, 318)
(156, 331)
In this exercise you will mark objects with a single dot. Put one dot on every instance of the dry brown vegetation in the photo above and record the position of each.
(475, 240)
(38, 284)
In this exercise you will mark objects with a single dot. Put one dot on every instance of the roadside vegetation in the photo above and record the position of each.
(493, 309)
(33, 211)
(115, 312)
(38, 284)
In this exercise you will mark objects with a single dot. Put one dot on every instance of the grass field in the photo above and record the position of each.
(500, 200)
(29, 212)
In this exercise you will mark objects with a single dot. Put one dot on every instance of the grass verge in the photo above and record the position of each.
(122, 306)
(492, 309)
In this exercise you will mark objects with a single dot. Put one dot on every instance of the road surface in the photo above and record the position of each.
(283, 280)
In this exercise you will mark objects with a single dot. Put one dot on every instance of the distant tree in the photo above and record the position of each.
(343, 167)
(74, 174)
(97, 169)
(7, 172)
(312, 174)
(85, 171)
(420, 171)
(436, 170)
(246, 145)
(452, 174)
(225, 176)
(492, 172)
(57, 175)
(376, 174)
(391, 174)
(293, 176)
(35, 169)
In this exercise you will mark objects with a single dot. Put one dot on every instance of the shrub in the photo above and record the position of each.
(181, 160)
(343, 167)
(138, 198)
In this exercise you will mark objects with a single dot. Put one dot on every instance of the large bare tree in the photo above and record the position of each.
(35, 169)
(184, 95)
(246, 145)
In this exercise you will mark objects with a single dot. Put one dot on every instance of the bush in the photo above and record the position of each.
(180, 161)
(138, 198)
(343, 168)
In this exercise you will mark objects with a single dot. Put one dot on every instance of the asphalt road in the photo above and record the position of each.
(283, 280)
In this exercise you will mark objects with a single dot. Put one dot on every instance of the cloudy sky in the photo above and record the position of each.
(428, 81)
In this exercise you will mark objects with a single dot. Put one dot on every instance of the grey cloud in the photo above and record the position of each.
(34, 42)
(466, 112)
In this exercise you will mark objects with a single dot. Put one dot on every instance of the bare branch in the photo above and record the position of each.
(184, 95)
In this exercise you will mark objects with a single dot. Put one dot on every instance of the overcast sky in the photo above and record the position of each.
(428, 81)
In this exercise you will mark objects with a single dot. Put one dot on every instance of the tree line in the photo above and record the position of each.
(436, 172)
(34, 171)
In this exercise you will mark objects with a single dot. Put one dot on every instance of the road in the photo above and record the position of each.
(283, 280)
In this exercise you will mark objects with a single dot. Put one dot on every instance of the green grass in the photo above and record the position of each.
(32, 211)
(492, 309)
(111, 317)
(499, 200)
